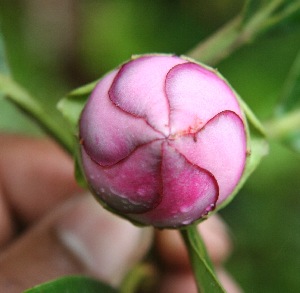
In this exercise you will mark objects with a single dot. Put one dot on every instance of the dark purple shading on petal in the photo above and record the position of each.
(132, 185)
(108, 133)
(195, 96)
(139, 89)
(219, 147)
(189, 192)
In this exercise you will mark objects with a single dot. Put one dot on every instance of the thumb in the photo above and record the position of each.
(79, 237)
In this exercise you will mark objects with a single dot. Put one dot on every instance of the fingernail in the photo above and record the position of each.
(104, 243)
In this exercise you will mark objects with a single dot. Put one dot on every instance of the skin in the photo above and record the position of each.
(50, 227)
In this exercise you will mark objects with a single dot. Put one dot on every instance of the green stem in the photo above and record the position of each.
(235, 34)
(279, 127)
(205, 277)
(31, 106)
(219, 45)
(282, 15)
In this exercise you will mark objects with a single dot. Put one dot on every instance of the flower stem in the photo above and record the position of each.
(279, 127)
(205, 277)
(30, 105)
(218, 46)
(240, 31)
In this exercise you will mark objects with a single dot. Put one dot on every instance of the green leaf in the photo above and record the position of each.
(74, 284)
(71, 107)
(206, 279)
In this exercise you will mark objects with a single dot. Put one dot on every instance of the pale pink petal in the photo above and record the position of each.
(220, 148)
(189, 192)
(195, 96)
(139, 89)
(132, 185)
(108, 133)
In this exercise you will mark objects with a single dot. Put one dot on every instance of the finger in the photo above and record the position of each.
(178, 282)
(35, 175)
(173, 253)
(78, 238)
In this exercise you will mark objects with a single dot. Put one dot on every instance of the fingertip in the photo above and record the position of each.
(78, 237)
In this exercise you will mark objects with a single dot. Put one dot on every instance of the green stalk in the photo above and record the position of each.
(238, 32)
(217, 47)
(17, 95)
(278, 127)
(204, 274)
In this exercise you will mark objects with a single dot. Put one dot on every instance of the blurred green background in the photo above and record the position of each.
(56, 45)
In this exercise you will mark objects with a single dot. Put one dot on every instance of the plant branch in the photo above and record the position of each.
(279, 127)
(18, 96)
(239, 32)
(294, 7)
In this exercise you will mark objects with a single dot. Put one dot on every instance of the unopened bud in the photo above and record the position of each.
(163, 140)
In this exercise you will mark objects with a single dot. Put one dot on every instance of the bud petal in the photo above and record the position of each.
(163, 140)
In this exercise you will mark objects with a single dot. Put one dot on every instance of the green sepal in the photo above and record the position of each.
(73, 103)
(71, 107)
(257, 148)
(74, 284)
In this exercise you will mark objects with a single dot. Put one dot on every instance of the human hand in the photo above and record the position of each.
(50, 229)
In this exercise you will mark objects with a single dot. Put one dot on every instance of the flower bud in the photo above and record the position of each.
(163, 140)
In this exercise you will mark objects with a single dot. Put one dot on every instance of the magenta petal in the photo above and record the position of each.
(196, 95)
(132, 185)
(189, 192)
(104, 128)
(220, 148)
(139, 89)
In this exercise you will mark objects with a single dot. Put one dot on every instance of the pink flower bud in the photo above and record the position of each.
(163, 140)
